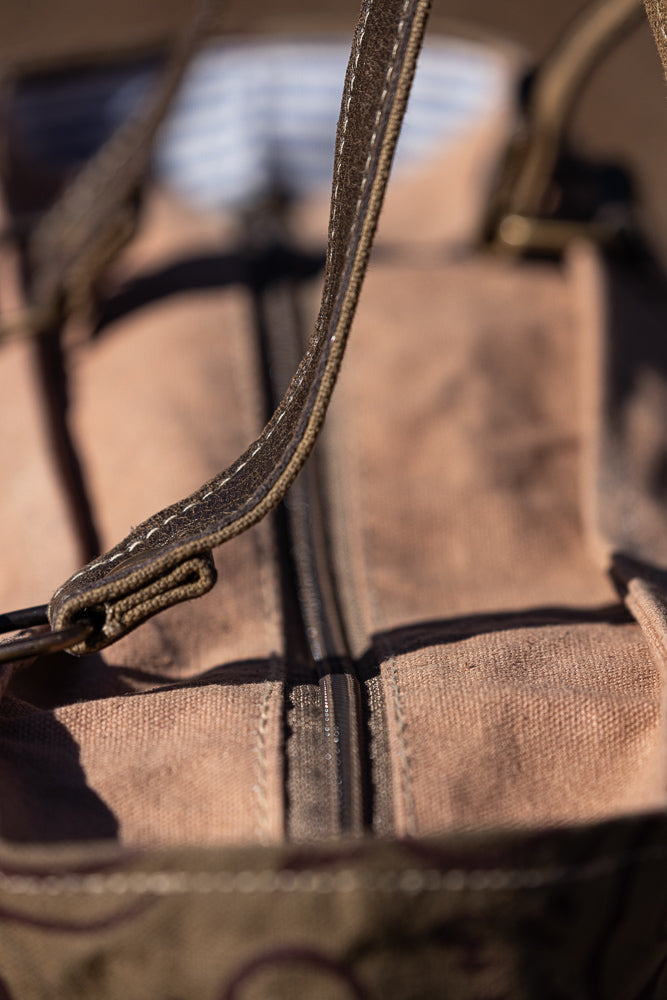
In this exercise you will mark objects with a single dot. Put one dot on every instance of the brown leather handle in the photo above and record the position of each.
(514, 218)
(93, 217)
(167, 559)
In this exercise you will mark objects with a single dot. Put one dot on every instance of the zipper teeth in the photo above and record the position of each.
(316, 646)
(339, 686)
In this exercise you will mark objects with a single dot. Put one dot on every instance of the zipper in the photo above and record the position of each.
(324, 732)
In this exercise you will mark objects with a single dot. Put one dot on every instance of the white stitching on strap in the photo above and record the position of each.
(343, 130)
(235, 469)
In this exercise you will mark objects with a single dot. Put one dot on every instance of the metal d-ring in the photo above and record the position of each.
(44, 642)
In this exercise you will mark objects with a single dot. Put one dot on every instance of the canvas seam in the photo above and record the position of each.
(404, 756)
(260, 787)
(264, 553)
(408, 881)
(377, 624)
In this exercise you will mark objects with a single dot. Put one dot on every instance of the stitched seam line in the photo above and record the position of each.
(260, 788)
(234, 470)
(343, 130)
(404, 757)
(408, 881)
(264, 588)
(377, 623)
(264, 553)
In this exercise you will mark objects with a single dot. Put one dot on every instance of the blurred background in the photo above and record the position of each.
(252, 105)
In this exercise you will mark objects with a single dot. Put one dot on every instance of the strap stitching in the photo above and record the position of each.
(404, 757)
(343, 130)
(235, 469)
(260, 788)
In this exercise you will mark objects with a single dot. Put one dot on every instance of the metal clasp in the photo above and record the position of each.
(525, 234)
(41, 642)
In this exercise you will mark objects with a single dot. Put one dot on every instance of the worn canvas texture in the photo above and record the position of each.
(494, 461)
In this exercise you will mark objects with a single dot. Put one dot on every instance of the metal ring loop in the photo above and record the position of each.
(44, 642)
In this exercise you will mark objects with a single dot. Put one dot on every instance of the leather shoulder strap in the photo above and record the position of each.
(167, 559)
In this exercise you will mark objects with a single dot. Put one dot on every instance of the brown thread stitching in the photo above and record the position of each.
(408, 881)
(281, 412)
(401, 728)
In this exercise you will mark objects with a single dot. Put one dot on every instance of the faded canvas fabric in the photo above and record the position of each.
(412, 743)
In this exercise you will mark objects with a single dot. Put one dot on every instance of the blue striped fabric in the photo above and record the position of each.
(253, 116)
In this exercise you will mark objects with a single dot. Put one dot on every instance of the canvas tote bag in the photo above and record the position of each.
(411, 744)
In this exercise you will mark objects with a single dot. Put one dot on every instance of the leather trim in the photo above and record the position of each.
(384, 54)
(96, 214)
